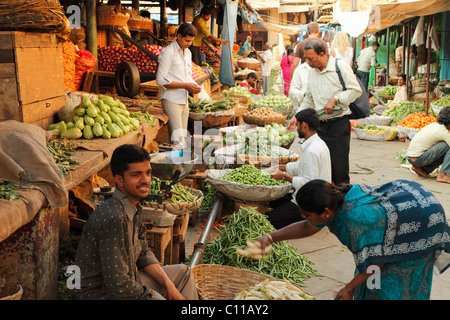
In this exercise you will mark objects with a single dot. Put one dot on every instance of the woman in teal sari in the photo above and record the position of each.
(397, 230)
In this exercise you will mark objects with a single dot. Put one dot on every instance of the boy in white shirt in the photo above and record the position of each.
(266, 65)
(174, 78)
(430, 148)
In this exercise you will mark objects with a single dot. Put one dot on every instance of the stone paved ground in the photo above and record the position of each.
(372, 163)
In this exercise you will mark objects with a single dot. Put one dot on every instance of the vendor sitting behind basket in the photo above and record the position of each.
(250, 82)
(314, 163)
(400, 95)
(430, 148)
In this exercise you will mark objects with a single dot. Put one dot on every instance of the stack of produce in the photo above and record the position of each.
(404, 108)
(203, 106)
(106, 117)
(269, 135)
(251, 175)
(62, 152)
(238, 91)
(263, 116)
(212, 53)
(416, 121)
(180, 193)
(284, 262)
(198, 72)
(145, 117)
(273, 290)
(109, 57)
(443, 102)
(374, 132)
(389, 91)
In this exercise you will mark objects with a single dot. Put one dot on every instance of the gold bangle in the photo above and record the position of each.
(270, 238)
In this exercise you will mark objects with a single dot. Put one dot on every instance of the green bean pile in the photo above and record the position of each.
(209, 197)
(284, 262)
(250, 175)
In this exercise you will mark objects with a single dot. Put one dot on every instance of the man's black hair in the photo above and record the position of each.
(375, 44)
(310, 117)
(444, 116)
(187, 29)
(206, 11)
(317, 45)
(126, 154)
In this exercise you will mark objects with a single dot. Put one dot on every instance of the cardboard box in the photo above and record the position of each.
(31, 77)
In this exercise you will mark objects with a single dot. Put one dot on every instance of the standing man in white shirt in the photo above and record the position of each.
(297, 90)
(314, 163)
(174, 78)
(266, 65)
(324, 93)
(366, 60)
(430, 148)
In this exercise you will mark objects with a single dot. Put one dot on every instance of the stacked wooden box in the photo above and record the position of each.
(31, 77)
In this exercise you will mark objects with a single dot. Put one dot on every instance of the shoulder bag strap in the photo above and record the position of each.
(338, 71)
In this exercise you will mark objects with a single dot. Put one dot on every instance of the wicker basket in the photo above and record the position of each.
(112, 20)
(248, 65)
(241, 99)
(216, 282)
(212, 119)
(262, 121)
(11, 292)
(407, 132)
(387, 97)
(375, 120)
(436, 109)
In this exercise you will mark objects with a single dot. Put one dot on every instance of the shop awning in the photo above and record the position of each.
(382, 16)
(263, 4)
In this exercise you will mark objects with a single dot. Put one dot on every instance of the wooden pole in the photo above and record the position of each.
(427, 97)
(163, 20)
(388, 41)
(91, 27)
(407, 61)
(404, 47)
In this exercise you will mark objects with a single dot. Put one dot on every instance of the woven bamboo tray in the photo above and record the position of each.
(11, 292)
(179, 208)
(217, 282)
(373, 135)
(387, 97)
(248, 65)
(241, 99)
(112, 20)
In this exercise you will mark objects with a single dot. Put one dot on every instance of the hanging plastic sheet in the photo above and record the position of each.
(226, 75)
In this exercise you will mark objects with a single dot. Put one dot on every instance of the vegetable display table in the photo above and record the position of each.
(160, 239)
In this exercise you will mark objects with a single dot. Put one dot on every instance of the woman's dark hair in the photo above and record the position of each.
(403, 76)
(310, 117)
(187, 29)
(444, 116)
(317, 45)
(288, 52)
(126, 154)
(316, 195)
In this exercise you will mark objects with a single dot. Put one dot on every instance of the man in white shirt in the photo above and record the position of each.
(430, 148)
(366, 60)
(174, 78)
(324, 93)
(297, 90)
(266, 65)
(314, 163)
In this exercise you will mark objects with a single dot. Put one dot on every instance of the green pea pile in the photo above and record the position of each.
(250, 175)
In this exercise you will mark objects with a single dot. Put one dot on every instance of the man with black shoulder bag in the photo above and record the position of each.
(331, 99)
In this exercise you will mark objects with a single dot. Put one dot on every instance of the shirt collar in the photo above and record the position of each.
(308, 141)
(129, 208)
(330, 65)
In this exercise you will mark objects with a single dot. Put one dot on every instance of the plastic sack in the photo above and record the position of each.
(84, 62)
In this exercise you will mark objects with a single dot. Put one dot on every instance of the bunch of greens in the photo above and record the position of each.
(8, 191)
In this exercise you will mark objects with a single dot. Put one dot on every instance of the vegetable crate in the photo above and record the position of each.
(31, 77)
(216, 282)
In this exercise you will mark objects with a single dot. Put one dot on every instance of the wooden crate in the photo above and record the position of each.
(31, 77)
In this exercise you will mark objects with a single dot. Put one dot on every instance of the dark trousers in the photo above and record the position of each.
(196, 58)
(284, 212)
(364, 77)
(336, 134)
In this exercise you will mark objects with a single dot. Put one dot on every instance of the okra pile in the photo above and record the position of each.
(284, 262)
(250, 175)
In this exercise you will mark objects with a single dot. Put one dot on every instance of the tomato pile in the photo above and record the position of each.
(417, 121)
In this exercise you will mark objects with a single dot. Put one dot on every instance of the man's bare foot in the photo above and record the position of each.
(419, 171)
(443, 177)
